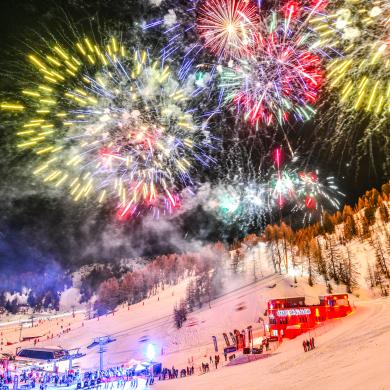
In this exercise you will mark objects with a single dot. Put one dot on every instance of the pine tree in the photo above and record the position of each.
(12, 306)
(386, 188)
(350, 229)
(380, 281)
(31, 299)
(320, 261)
(334, 258)
(108, 295)
(2, 299)
(371, 276)
(180, 314)
(310, 270)
(190, 296)
(365, 228)
(347, 212)
(369, 213)
(327, 224)
(350, 272)
(384, 213)
(381, 260)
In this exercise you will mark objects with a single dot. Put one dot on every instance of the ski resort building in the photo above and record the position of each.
(290, 317)
(52, 359)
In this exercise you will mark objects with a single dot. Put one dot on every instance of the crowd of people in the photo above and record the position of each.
(308, 345)
(174, 373)
(111, 378)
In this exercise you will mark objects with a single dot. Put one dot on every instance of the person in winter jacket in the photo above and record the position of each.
(304, 345)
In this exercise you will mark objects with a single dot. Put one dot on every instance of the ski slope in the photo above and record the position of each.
(152, 321)
(351, 353)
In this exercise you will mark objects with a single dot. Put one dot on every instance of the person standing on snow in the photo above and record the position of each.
(304, 345)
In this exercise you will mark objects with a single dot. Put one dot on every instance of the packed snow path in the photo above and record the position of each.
(351, 353)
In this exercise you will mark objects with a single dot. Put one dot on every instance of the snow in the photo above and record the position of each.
(350, 353)
(342, 345)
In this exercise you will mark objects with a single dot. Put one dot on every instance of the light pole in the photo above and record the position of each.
(101, 342)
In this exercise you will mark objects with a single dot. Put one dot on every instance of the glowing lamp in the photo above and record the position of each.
(150, 352)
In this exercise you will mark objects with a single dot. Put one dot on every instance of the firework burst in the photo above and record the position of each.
(281, 75)
(228, 27)
(110, 124)
(360, 29)
(302, 191)
(316, 196)
(242, 203)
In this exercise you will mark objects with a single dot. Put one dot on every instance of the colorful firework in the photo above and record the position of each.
(111, 124)
(302, 191)
(360, 29)
(316, 196)
(242, 203)
(227, 27)
(281, 76)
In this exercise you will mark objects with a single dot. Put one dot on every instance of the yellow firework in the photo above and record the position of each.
(106, 121)
(359, 30)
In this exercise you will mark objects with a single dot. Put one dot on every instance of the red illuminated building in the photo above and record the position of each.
(290, 317)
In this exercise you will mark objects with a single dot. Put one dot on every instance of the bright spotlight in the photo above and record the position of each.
(150, 352)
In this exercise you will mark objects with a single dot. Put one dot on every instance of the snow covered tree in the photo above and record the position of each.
(12, 306)
(334, 256)
(127, 288)
(272, 236)
(350, 229)
(369, 213)
(384, 213)
(108, 296)
(320, 262)
(31, 299)
(371, 276)
(348, 271)
(381, 259)
(347, 212)
(381, 281)
(386, 188)
(190, 296)
(327, 224)
(180, 314)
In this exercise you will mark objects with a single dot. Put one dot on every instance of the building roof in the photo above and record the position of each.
(43, 353)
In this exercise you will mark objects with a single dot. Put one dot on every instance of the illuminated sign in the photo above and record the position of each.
(293, 312)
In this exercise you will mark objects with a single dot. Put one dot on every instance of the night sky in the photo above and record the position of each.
(39, 227)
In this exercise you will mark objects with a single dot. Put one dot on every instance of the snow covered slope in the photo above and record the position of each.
(351, 353)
